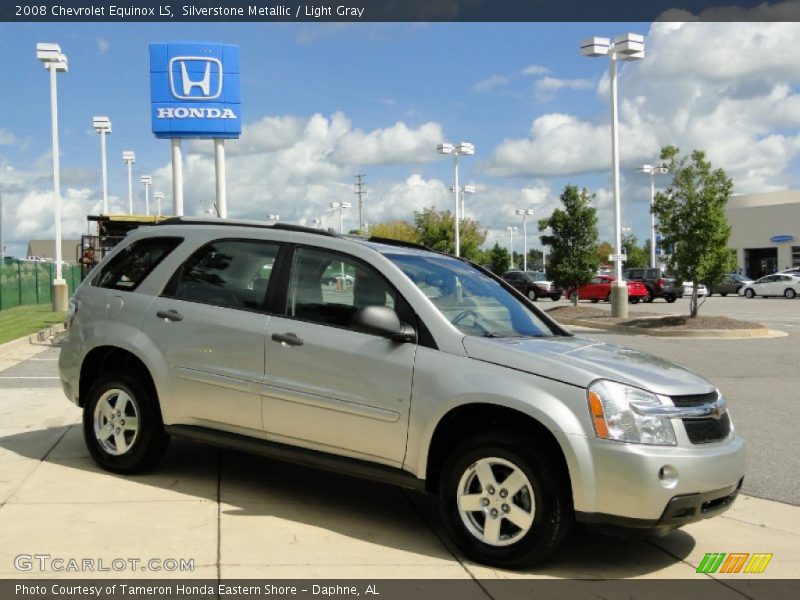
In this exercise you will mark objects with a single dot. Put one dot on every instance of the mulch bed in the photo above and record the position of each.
(653, 320)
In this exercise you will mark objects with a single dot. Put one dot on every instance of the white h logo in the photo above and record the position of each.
(187, 84)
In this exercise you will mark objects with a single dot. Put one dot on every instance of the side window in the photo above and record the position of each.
(637, 274)
(128, 268)
(329, 288)
(229, 273)
(596, 280)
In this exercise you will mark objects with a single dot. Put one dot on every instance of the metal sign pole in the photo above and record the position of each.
(219, 163)
(177, 178)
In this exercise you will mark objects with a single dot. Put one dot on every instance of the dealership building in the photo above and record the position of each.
(765, 231)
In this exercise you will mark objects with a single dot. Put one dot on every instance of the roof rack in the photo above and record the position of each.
(401, 243)
(237, 223)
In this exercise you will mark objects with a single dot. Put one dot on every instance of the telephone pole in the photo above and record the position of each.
(360, 191)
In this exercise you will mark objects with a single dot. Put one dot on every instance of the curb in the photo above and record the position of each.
(731, 334)
(35, 338)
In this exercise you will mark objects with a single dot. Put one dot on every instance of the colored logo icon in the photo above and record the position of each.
(195, 75)
(734, 562)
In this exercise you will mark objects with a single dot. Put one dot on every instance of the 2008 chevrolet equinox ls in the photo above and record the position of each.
(390, 361)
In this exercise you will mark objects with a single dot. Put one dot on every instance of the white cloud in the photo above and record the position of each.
(102, 45)
(535, 70)
(7, 138)
(546, 87)
(393, 145)
(490, 83)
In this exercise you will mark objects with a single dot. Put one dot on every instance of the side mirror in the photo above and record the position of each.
(382, 320)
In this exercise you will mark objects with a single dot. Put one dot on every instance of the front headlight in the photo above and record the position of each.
(614, 419)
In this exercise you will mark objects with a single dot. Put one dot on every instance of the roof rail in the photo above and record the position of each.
(401, 243)
(238, 223)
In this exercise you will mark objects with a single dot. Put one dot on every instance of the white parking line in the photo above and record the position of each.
(24, 377)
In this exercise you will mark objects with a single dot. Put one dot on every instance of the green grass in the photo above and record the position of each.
(24, 320)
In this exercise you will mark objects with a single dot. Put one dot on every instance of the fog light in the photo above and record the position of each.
(668, 476)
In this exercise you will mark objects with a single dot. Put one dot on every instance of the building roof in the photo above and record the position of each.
(47, 249)
(767, 199)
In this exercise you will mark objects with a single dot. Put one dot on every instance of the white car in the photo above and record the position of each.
(778, 284)
(702, 290)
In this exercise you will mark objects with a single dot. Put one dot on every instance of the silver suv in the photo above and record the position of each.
(390, 361)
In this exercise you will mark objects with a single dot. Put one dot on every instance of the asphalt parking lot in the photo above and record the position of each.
(240, 516)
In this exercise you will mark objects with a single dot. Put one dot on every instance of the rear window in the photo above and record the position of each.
(131, 265)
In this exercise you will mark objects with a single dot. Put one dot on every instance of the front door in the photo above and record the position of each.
(327, 386)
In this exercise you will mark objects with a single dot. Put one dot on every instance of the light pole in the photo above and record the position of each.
(462, 148)
(147, 181)
(273, 218)
(511, 229)
(129, 157)
(653, 171)
(467, 189)
(102, 126)
(55, 62)
(159, 196)
(341, 206)
(525, 212)
(626, 47)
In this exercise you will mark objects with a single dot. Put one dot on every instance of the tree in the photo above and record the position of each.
(498, 259)
(572, 259)
(394, 230)
(603, 251)
(636, 255)
(436, 230)
(691, 219)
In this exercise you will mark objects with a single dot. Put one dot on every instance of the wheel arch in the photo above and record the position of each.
(108, 358)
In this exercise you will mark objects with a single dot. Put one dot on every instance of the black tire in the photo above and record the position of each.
(723, 294)
(553, 513)
(633, 300)
(670, 298)
(608, 298)
(532, 295)
(750, 293)
(595, 300)
(149, 441)
(789, 293)
(555, 297)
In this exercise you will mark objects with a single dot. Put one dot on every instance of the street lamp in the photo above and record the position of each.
(652, 170)
(159, 196)
(627, 47)
(55, 62)
(462, 148)
(511, 229)
(147, 181)
(274, 218)
(102, 126)
(129, 157)
(525, 212)
(341, 206)
(467, 189)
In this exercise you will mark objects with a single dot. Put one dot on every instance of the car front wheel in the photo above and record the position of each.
(750, 293)
(532, 295)
(504, 500)
(122, 424)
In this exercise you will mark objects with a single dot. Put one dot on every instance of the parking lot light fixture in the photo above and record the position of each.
(147, 181)
(273, 219)
(511, 229)
(466, 149)
(466, 189)
(102, 125)
(626, 47)
(55, 62)
(159, 196)
(525, 213)
(653, 170)
(129, 157)
(342, 206)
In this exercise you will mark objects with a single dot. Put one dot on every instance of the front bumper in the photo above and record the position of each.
(656, 487)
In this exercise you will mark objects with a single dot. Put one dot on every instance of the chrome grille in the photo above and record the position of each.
(703, 431)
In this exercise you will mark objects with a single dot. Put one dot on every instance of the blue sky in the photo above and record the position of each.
(485, 83)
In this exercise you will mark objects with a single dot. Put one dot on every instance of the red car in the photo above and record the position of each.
(599, 288)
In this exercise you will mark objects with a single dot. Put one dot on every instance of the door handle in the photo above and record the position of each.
(170, 315)
(287, 338)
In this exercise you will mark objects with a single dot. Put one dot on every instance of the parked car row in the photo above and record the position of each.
(778, 284)
(599, 288)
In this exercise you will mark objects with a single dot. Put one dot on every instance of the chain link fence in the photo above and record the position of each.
(24, 282)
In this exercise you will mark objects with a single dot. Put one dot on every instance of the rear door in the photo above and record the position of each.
(327, 386)
(209, 326)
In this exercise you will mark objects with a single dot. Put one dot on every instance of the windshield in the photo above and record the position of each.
(475, 303)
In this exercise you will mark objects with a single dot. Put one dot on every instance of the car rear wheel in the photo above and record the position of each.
(633, 300)
(670, 298)
(789, 293)
(122, 424)
(750, 293)
(555, 297)
(595, 300)
(504, 500)
(723, 294)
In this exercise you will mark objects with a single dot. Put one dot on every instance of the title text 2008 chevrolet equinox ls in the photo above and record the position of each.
(394, 362)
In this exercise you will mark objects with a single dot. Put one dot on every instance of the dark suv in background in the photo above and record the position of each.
(657, 283)
(534, 284)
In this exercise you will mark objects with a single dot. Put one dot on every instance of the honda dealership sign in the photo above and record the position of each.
(194, 90)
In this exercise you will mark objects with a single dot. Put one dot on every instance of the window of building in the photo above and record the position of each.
(795, 256)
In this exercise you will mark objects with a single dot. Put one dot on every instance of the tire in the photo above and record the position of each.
(532, 296)
(137, 448)
(670, 298)
(634, 300)
(789, 293)
(723, 294)
(595, 300)
(556, 297)
(542, 506)
(608, 298)
(750, 293)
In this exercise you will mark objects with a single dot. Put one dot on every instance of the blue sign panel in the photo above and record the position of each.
(194, 90)
(781, 239)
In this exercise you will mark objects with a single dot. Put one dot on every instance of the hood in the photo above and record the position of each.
(579, 361)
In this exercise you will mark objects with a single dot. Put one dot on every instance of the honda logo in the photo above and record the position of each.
(184, 83)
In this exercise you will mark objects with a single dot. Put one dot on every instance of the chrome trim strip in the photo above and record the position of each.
(714, 409)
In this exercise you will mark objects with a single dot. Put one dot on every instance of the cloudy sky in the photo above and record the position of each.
(323, 102)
